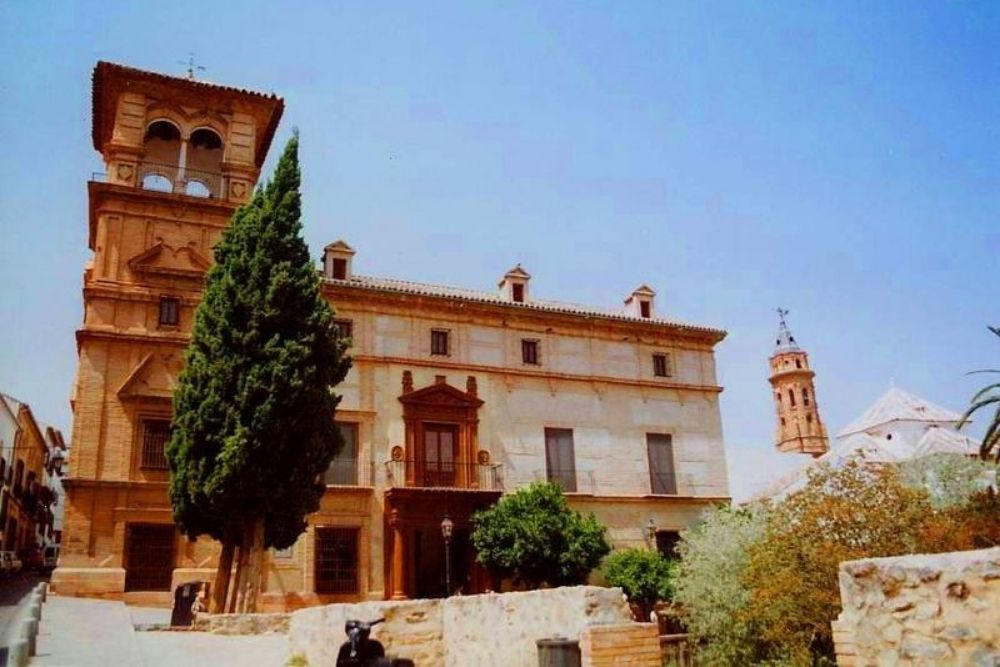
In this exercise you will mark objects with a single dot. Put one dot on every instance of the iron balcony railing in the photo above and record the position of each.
(350, 472)
(171, 178)
(444, 475)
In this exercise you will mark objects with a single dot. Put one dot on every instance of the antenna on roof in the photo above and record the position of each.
(191, 67)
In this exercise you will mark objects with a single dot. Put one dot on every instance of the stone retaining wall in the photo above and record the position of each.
(241, 624)
(483, 630)
(937, 609)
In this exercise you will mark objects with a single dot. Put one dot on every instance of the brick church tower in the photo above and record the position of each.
(800, 429)
(180, 156)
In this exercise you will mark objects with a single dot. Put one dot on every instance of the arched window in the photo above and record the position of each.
(805, 397)
(204, 162)
(162, 145)
(197, 188)
(791, 397)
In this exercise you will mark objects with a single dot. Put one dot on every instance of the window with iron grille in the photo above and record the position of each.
(343, 468)
(345, 328)
(560, 460)
(662, 475)
(439, 342)
(336, 560)
(661, 366)
(529, 351)
(170, 311)
(155, 433)
(149, 557)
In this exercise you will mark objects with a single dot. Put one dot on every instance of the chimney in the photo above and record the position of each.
(337, 259)
(640, 302)
(514, 286)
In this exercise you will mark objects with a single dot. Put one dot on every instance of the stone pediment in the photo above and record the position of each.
(442, 395)
(165, 260)
(154, 377)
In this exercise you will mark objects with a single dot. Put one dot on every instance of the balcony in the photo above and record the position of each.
(350, 472)
(444, 475)
(171, 178)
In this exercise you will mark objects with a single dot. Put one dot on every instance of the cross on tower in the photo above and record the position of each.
(781, 314)
(191, 67)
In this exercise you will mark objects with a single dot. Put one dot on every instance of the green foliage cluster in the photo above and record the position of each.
(759, 585)
(644, 575)
(533, 537)
(710, 591)
(987, 398)
(253, 411)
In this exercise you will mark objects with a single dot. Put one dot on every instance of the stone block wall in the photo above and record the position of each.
(492, 629)
(935, 609)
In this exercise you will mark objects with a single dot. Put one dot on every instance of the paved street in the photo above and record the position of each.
(13, 596)
(92, 633)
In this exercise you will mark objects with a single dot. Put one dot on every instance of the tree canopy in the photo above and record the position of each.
(253, 426)
(535, 538)
(644, 575)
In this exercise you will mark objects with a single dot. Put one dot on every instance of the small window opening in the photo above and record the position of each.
(529, 351)
(517, 291)
(345, 328)
(791, 397)
(439, 342)
(661, 366)
(644, 309)
(170, 311)
(805, 397)
(798, 363)
(339, 269)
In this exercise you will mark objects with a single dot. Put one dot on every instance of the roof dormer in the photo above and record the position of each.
(640, 302)
(514, 286)
(337, 260)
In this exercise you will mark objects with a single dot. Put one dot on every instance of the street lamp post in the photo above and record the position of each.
(446, 529)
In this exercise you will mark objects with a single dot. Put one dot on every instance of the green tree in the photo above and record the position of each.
(535, 538)
(985, 398)
(644, 575)
(950, 480)
(709, 588)
(253, 423)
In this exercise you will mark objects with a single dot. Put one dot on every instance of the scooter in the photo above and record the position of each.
(360, 651)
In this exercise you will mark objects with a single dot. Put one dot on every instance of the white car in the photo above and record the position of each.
(9, 562)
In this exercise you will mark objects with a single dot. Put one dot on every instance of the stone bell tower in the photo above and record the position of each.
(800, 429)
(180, 156)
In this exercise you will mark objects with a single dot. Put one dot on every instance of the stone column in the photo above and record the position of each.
(398, 571)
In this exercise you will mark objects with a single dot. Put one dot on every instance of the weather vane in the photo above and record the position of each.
(191, 67)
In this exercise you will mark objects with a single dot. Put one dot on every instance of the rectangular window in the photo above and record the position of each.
(518, 292)
(149, 557)
(666, 543)
(662, 476)
(661, 366)
(439, 342)
(170, 311)
(18, 476)
(340, 269)
(336, 560)
(343, 469)
(529, 351)
(345, 328)
(644, 309)
(155, 433)
(805, 397)
(560, 462)
(791, 397)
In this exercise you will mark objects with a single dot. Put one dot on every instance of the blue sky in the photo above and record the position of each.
(839, 159)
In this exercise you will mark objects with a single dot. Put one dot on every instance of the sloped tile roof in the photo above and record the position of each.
(899, 405)
(945, 441)
(465, 294)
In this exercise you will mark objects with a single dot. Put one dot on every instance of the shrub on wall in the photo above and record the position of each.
(644, 575)
(535, 538)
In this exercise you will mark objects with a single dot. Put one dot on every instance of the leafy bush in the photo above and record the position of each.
(644, 575)
(949, 479)
(533, 537)
(709, 587)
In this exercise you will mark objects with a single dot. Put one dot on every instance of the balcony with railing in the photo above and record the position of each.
(444, 475)
(350, 472)
(174, 179)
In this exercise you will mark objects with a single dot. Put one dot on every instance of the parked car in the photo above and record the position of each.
(50, 557)
(31, 558)
(9, 563)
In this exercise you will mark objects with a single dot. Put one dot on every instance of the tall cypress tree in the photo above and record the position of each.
(253, 427)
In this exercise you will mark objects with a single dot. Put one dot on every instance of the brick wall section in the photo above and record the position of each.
(631, 644)
(939, 609)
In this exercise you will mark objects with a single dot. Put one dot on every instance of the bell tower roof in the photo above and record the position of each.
(785, 341)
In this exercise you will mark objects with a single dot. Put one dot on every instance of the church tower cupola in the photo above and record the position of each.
(800, 429)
